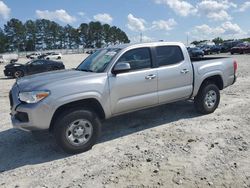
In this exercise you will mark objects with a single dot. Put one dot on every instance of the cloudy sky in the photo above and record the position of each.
(169, 20)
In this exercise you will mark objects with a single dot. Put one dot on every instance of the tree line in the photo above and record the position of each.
(43, 34)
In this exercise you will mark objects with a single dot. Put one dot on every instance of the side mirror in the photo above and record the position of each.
(121, 67)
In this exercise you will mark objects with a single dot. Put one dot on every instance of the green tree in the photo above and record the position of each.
(44, 34)
(218, 40)
(15, 33)
(3, 41)
(30, 31)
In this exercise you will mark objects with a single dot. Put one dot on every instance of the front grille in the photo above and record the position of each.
(11, 99)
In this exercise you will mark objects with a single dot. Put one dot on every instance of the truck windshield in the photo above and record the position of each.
(98, 61)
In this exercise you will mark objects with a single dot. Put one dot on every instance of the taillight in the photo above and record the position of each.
(235, 66)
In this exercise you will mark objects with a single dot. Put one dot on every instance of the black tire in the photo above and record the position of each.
(204, 103)
(66, 120)
(59, 57)
(18, 74)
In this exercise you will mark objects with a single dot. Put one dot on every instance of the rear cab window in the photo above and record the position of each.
(168, 55)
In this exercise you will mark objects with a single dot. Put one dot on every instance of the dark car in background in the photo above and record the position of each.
(215, 49)
(195, 52)
(228, 45)
(242, 48)
(17, 70)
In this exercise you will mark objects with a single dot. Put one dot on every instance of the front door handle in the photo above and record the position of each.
(150, 77)
(184, 71)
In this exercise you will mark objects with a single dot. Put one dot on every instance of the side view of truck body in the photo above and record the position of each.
(114, 81)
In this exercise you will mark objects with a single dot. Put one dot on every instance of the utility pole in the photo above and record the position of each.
(187, 39)
(140, 37)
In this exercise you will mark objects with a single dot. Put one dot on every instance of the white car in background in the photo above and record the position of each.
(53, 55)
(34, 55)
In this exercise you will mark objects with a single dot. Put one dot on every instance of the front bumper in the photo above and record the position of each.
(29, 117)
(7, 73)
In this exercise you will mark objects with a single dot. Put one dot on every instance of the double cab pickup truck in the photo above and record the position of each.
(114, 81)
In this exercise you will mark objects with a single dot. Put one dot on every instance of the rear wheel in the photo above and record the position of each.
(77, 130)
(207, 99)
(18, 73)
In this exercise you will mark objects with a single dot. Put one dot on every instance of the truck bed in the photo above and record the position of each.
(205, 58)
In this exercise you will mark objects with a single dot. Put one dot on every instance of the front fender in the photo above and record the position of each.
(103, 100)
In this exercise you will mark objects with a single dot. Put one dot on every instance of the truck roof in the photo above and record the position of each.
(145, 44)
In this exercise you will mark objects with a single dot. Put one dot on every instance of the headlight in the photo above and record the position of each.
(33, 96)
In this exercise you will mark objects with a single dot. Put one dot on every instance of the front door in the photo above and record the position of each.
(137, 88)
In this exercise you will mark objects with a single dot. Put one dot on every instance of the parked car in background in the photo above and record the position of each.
(215, 49)
(114, 81)
(53, 55)
(206, 50)
(242, 48)
(228, 45)
(195, 52)
(42, 56)
(28, 55)
(17, 70)
(34, 55)
(91, 51)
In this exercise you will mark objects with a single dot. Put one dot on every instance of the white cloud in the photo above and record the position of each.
(60, 15)
(164, 25)
(225, 30)
(244, 6)
(219, 16)
(206, 31)
(143, 38)
(136, 24)
(231, 28)
(82, 14)
(104, 18)
(180, 7)
(4, 10)
(216, 9)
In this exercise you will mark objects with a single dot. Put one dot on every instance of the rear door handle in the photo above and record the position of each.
(150, 77)
(184, 71)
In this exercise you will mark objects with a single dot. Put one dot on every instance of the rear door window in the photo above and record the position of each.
(168, 55)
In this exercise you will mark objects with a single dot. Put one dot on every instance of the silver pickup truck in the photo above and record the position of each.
(114, 81)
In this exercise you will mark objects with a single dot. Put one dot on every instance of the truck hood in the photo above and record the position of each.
(37, 81)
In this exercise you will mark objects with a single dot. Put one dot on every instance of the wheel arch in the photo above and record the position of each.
(91, 103)
(215, 79)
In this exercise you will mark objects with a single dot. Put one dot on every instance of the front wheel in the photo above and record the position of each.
(77, 130)
(207, 99)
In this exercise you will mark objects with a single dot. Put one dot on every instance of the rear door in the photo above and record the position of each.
(137, 88)
(175, 74)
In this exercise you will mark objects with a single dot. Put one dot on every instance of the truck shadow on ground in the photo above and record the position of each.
(18, 148)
